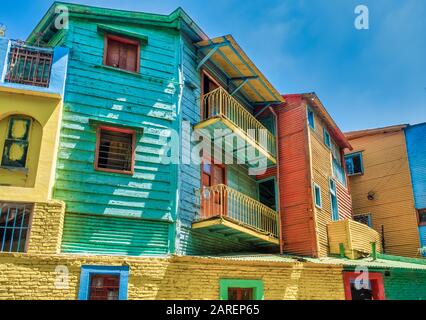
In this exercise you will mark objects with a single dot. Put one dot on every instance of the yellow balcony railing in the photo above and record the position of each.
(219, 103)
(220, 201)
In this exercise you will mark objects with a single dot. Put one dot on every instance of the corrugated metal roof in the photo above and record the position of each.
(366, 262)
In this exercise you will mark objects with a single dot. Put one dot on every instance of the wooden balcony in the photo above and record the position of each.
(227, 211)
(222, 111)
(352, 239)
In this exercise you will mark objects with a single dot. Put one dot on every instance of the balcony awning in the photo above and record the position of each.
(232, 60)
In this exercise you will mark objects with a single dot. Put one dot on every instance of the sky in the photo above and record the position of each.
(365, 78)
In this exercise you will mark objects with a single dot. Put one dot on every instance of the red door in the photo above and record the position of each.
(213, 197)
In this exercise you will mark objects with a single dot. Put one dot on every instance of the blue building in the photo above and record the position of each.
(416, 149)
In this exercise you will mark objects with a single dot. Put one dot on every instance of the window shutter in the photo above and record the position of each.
(113, 53)
(132, 57)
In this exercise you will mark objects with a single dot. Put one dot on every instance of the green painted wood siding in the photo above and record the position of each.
(90, 234)
(147, 101)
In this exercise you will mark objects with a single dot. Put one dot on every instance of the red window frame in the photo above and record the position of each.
(98, 141)
(376, 281)
(124, 41)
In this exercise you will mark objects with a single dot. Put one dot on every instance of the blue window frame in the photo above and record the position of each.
(354, 164)
(364, 218)
(311, 118)
(327, 140)
(333, 199)
(88, 271)
(317, 193)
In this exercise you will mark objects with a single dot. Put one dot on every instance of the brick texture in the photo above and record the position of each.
(46, 227)
(33, 276)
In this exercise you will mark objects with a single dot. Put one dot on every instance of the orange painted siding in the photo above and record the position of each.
(386, 174)
(297, 219)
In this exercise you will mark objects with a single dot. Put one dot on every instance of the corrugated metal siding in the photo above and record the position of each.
(94, 234)
(416, 149)
(297, 221)
(387, 175)
(239, 179)
(321, 173)
(196, 242)
(344, 201)
(355, 236)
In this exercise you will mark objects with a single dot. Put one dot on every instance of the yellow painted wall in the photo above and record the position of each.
(386, 172)
(33, 277)
(35, 184)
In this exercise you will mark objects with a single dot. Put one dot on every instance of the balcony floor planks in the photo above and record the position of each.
(220, 122)
(223, 226)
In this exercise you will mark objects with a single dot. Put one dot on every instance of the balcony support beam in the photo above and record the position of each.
(239, 87)
(207, 57)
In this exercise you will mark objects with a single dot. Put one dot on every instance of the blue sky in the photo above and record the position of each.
(365, 78)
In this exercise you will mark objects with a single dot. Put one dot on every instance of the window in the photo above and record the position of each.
(317, 192)
(354, 164)
(311, 120)
(236, 289)
(104, 287)
(422, 217)
(363, 218)
(115, 150)
(333, 199)
(122, 53)
(103, 283)
(327, 140)
(16, 143)
(240, 294)
(14, 226)
(363, 287)
(267, 192)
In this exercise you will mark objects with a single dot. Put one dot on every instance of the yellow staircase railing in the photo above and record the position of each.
(224, 202)
(219, 103)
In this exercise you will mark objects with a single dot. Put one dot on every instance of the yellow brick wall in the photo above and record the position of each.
(46, 227)
(31, 276)
(386, 173)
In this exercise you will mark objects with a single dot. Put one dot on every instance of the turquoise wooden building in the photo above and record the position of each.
(134, 79)
(416, 150)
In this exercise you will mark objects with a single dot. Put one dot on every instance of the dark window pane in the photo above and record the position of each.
(267, 193)
(422, 216)
(14, 226)
(240, 294)
(115, 150)
(104, 287)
